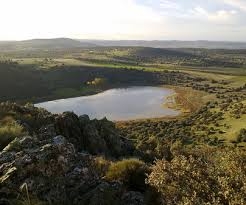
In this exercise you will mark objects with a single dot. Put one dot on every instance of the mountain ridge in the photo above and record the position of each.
(39, 44)
(171, 43)
(65, 43)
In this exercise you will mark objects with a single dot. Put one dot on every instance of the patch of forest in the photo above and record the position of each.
(25, 83)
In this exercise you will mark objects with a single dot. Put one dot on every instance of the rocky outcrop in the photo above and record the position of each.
(94, 136)
(53, 171)
(56, 163)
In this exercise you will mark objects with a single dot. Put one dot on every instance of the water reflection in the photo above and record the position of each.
(117, 104)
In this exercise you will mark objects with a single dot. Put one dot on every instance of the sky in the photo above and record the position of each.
(218, 20)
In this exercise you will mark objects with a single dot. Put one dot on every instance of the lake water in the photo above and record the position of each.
(117, 104)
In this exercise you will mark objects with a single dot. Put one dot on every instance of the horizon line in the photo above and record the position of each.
(98, 39)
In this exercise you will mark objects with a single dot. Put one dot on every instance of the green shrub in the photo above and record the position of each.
(242, 136)
(9, 132)
(205, 177)
(131, 172)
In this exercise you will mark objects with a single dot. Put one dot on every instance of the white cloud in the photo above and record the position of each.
(241, 4)
(118, 19)
(223, 15)
(220, 16)
(199, 11)
(167, 4)
(77, 18)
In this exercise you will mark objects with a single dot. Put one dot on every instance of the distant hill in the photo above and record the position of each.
(171, 44)
(43, 44)
(66, 43)
(149, 52)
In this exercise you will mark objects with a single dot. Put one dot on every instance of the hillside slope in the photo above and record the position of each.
(40, 44)
(170, 44)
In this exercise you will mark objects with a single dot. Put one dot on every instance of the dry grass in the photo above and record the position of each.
(9, 132)
(188, 100)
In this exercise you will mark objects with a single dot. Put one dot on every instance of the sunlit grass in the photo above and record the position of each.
(9, 132)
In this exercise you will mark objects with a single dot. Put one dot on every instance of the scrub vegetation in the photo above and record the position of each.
(195, 158)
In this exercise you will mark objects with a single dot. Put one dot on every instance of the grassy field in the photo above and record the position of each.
(197, 76)
(187, 100)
